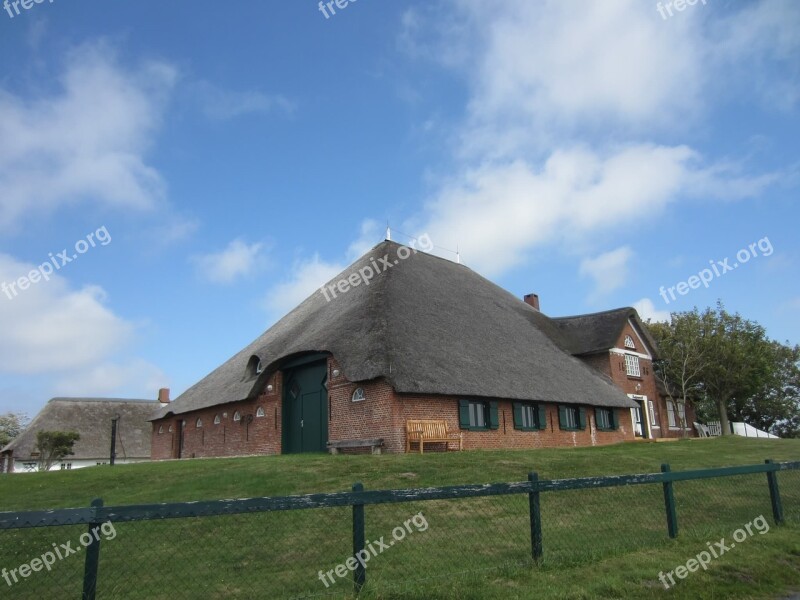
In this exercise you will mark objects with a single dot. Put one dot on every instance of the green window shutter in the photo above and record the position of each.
(494, 421)
(581, 417)
(463, 413)
(517, 415)
(614, 419)
(562, 417)
(541, 416)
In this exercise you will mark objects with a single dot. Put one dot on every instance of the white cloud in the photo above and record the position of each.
(498, 212)
(306, 278)
(563, 104)
(50, 328)
(137, 378)
(647, 310)
(218, 103)
(608, 270)
(238, 260)
(85, 142)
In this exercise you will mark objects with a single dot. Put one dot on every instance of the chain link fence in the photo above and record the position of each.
(304, 547)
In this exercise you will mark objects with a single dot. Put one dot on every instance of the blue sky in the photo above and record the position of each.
(240, 155)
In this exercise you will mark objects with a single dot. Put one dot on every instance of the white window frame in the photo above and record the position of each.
(632, 368)
(477, 414)
(198, 424)
(237, 416)
(671, 416)
(359, 395)
(260, 412)
(217, 420)
(629, 343)
(606, 415)
(651, 408)
(529, 416)
(571, 417)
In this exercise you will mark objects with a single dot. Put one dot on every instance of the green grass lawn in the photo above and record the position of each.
(605, 543)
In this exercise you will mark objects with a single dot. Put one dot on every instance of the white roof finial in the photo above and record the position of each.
(388, 232)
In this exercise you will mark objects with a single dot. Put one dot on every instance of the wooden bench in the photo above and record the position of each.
(431, 431)
(376, 445)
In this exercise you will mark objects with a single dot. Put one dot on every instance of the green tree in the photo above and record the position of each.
(684, 358)
(54, 446)
(776, 407)
(740, 364)
(725, 365)
(11, 425)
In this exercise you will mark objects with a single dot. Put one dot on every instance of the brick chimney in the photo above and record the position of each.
(163, 395)
(533, 300)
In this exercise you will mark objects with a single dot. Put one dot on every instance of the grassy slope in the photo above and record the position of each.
(177, 481)
(612, 544)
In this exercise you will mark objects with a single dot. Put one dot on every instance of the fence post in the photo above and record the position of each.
(774, 494)
(92, 561)
(536, 517)
(669, 504)
(360, 573)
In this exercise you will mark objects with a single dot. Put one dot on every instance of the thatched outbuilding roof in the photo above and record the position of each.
(91, 418)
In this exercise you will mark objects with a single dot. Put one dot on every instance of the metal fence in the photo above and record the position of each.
(375, 541)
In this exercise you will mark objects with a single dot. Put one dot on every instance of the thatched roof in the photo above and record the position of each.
(428, 326)
(597, 332)
(91, 418)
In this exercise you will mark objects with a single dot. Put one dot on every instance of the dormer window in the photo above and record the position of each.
(254, 367)
(629, 342)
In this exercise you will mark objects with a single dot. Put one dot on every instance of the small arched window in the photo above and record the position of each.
(260, 412)
(161, 429)
(217, 420)
(359, 395)
(170, 429)
(629, 342)
(237, 416)
(198, 423)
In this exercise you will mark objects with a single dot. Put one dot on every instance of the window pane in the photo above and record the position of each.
(477, 414)
(528, 418)
(632, 365)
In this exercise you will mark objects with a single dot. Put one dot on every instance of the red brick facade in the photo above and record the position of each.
(382, 414)
(612, 364)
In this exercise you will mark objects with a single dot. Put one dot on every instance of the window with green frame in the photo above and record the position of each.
(529, 416)
(478, 414)
(606, 418)
(571, 417)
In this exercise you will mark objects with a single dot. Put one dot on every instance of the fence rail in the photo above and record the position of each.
(359, 499)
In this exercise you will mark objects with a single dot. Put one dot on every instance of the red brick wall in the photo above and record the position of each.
(443, 407)
(261, 435)
(382, 414)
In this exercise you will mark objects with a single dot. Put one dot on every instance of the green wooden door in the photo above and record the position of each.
(305, 409)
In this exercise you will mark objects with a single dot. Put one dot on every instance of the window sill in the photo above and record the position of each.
(606, 430)
(571, 429)
(636, 377)
(476, 429)
(527, 429)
